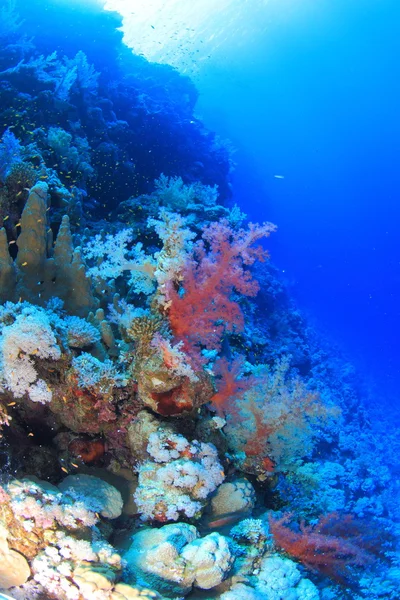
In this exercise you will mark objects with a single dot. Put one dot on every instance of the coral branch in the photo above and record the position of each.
(201, 314)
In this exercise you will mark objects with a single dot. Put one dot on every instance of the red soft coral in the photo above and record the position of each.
(231, 384)
(201, 314)
(330, 547)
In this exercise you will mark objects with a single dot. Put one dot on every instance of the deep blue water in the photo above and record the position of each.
(316, 100)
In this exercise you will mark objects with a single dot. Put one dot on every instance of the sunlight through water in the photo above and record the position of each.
(187, 35)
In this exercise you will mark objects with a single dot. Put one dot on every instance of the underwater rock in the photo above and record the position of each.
(14, 568)
(236, 496)
(97, 494)
(169, 394)
(123, 591)
(172, 559)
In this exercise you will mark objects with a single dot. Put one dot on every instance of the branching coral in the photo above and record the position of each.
(231, 384)
(72, 155)
(329, 547)
(177, 239)
(275, 422)
(20, 178)
(142, 331)
(10, 153)
(204, 310)
(174, 195)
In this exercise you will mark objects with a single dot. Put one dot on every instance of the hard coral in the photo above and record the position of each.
(98, 495)
(173, 558)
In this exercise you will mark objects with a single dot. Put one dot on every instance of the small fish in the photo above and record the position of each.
(24, 264)
(30, 434)
(64, 469)
(225, 520)
(11, 404)
(279, 176)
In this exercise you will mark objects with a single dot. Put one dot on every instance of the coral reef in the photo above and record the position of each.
(170, 422)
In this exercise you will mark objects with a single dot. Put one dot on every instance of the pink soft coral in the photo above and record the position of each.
(205, 309)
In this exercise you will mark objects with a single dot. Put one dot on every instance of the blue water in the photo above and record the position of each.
(315, 99)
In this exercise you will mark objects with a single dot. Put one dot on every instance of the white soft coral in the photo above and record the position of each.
(29, 336)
